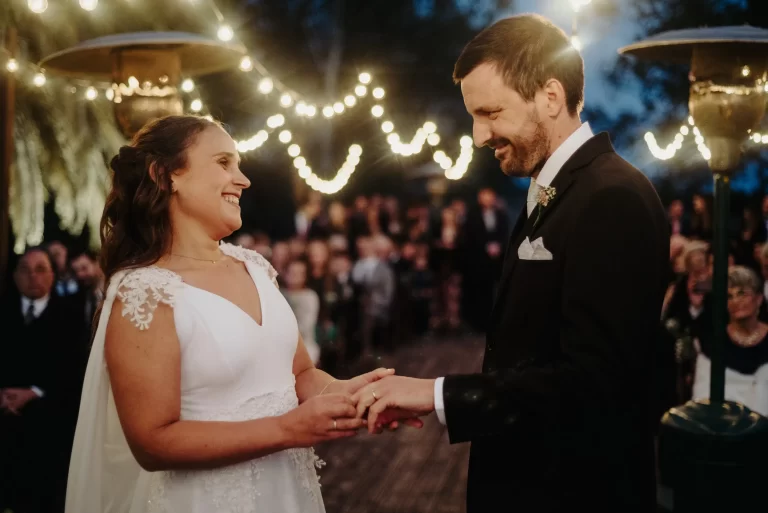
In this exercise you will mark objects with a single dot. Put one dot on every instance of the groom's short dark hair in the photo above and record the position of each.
(528, 50)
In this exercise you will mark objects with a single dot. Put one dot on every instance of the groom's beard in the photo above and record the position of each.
(524, 157)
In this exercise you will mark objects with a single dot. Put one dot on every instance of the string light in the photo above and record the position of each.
(225, 33)
(287, 99)
(246, 64)
(89, 5)
(37, 6)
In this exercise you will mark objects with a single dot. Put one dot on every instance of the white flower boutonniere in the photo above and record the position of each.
(546, 194)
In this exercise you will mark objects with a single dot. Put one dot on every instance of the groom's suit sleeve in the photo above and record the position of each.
(611, 278)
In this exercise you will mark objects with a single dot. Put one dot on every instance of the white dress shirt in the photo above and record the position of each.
(38, 306)
(547, 175)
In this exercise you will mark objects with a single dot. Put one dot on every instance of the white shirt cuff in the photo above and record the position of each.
(439, 405)
(37, 391)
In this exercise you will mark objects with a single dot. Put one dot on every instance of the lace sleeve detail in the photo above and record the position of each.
(248, 255)
(143, 290)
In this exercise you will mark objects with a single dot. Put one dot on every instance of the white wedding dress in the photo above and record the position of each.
(232, 369)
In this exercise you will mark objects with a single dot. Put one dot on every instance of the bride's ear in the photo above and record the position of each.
(162, 182)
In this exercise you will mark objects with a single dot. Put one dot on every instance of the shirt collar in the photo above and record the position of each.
(39, 305)
(561, 155)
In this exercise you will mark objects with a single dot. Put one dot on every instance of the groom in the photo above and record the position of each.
(561, 417)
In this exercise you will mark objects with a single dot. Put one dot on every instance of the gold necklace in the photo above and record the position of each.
(199, 259)
(747, 340)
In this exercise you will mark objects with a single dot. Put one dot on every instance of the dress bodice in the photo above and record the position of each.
(232, 369)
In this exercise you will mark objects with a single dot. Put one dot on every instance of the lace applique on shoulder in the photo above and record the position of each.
(143, 290)
(248, 255)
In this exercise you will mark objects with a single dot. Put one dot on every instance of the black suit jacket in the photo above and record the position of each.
(562, 416)
(49, 353)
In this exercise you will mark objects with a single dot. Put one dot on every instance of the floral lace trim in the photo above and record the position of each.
(248, 255)
(233, 488)
(143, 290)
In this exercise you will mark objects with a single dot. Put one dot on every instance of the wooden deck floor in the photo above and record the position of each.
(410, 470)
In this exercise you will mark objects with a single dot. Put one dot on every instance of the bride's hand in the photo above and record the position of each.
(319, 419)
(351, 386)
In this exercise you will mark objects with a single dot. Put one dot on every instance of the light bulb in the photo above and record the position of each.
(12, 65)
(110, 94)
(338, 107)
(299, 162)
(196, 105)
(311, 111)
(91, 93)
(328, 111)
(285, 136)
(466, 141)
(378, 93)
(433, 139)
(350, 101)
(294, 150)
(301, 108)
(377, 111)
(361, 90)
(286, 100)
(365, 78)
(225, 33)
(576, 42)
(356, 150)
(39, 80)
(187, 86)
(246, 64)
(387, 127)
(393, 138)
(89, 5)
(37, 6)
(266, 85)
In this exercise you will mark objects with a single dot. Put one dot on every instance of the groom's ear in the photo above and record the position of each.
(556, 101)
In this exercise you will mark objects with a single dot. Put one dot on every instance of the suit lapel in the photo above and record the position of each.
(527, 226)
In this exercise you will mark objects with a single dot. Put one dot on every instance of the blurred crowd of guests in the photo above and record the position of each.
(365, 278)
(687, 312)
(46, 323)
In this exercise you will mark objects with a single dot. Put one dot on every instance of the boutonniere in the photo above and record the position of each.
(546, 194)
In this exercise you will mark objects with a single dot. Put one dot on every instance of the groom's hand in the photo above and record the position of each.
(395, 398)
(351, 386)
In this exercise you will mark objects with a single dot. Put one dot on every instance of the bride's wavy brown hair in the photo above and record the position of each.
(136, 224)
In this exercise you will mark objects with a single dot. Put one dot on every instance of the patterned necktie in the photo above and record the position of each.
(29, 315)
(533, 196)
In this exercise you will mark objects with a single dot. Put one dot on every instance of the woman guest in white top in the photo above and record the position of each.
(199, 395)
(746, 347)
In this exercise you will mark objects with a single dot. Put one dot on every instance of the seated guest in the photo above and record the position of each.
(746, 347)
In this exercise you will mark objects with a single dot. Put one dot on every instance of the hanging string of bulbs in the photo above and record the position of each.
(289, 102)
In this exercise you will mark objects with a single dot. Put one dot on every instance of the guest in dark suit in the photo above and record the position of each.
(90, 279)
(487, 230)
(562, 416)
(40, 377)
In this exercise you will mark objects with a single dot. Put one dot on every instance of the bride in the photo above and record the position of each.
(199, 395)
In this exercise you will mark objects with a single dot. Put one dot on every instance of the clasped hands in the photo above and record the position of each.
(385, 400)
